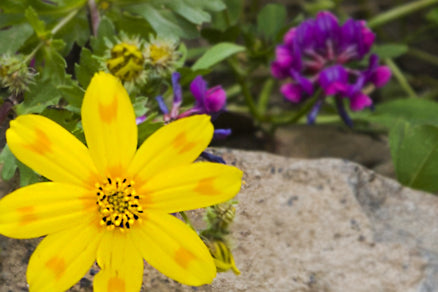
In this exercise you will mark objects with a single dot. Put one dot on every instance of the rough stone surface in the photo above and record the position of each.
(322, 141)
(306, 225)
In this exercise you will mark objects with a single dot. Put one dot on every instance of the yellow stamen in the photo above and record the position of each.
(118, 204)
(160, 54)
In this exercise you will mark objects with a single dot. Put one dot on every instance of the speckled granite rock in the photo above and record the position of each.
(306, 225)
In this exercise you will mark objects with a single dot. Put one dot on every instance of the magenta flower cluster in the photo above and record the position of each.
(316, 54)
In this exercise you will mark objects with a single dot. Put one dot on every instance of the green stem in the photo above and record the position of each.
(400, 78)
(398, 12)
(241, 79)
(264, 96)
(64, 21)
(54, 30)
(432, 59)
(292, 119)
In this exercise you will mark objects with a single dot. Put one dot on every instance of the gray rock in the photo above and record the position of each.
(306, 225)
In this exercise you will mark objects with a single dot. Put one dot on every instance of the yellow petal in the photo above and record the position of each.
(50, 150)
(191, 186)
(174, 249)
(177, 143)
(108, 120)
(44, 208)
(121, 264)
(63, 258)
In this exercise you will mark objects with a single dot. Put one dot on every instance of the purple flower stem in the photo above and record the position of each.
(212, 158)
(342, 112)
(94, 16)
(311, 117)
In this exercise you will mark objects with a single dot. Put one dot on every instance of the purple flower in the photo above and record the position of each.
(317, 53)
(208, 101)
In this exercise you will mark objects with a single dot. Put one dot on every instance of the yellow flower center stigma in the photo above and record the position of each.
(126, 61)
(118, 204)
(159, 54)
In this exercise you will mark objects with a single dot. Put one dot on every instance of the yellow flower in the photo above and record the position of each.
(126, 61)
(161, 56)
(110, 202)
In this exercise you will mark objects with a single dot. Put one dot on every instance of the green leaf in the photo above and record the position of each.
(415, 153)
(75, 31)
(271, 19)
(191, 13)
(216, 54)
(165, 22)
(106, 30)
(54, 67)
(11, 19)
(432, 15)
(63, 117)
(42, 94)
(27, 175)
(9, 163)
(86, 68)
(38, 25)
(140, 107)
(390, 50)
(147, 128)
(14, 37)
(413, 110)
(234, 12)
(73, 94)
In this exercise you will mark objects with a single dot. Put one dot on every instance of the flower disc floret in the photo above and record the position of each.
(118, 203)
(126, 61)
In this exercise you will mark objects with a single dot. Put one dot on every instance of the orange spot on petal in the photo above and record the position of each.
(42, 144)
(206, 187)
(183, 257)
(27, 215)
(116, 284)
(108, 112)
(57, 266)
(182, 144)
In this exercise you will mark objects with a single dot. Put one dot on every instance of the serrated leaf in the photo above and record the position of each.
(271, 19)
(38, 25)
(216, 54)
(9, 162)
(41, 94)
(390, 50)
(73, 94)
(416, 155)
(54, 65)
(140, 107)
(14, 37)
(106, 30)
(75, 31)
(86, 67)
(63, 117)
